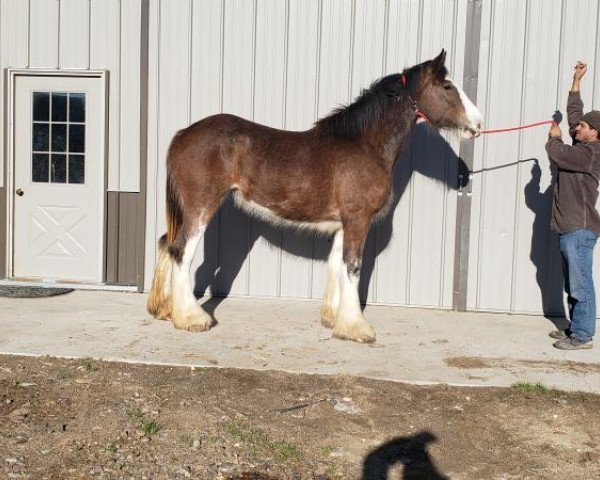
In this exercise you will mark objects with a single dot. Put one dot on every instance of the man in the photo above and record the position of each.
(574, 214)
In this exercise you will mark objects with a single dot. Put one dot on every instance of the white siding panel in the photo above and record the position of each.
(431, 156)
(537, 284)
(269, 109)
(129, 152)
(43, 33)
(14, 49)
(105, 23)
(367, 65)
(173, 86)
(403, 26)
(579, 41)
(300, 113)
(497, 229)
(206, 99)
(207, 58)
(238, 98)
(333, 92)
(74, 35)
(393, 233)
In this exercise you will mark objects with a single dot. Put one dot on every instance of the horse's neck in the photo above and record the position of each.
(389, 135)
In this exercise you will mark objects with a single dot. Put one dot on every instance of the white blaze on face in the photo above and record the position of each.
(473, 115)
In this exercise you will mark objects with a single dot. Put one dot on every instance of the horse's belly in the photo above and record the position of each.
(263, 213)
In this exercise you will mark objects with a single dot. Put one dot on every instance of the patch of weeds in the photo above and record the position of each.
(526, 387)
(64, 375)
(260, 443)
(186, 440)
(326, 450)
(87, 365)
(112, 448)
(149, 427)
(136, 414)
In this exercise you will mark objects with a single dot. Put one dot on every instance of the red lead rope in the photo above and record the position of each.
(537, 124)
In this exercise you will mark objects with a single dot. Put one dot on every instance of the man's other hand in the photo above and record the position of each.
(555, 132)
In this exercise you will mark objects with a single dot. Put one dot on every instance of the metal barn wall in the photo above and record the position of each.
(81, 35)
(527, 53)
(286, 63)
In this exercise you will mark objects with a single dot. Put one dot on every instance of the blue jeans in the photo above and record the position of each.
(577, 251)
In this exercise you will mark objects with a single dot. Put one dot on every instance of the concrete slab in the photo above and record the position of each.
(413, 345)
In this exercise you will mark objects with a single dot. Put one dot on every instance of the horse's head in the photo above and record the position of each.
(444, 104)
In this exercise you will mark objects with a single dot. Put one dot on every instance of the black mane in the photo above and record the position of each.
(349, 122)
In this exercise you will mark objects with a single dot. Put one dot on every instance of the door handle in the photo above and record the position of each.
(20, 192)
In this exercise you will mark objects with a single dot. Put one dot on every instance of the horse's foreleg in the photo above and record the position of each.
(186, 314)
(331, 298)
(159, 301)
(350, 323)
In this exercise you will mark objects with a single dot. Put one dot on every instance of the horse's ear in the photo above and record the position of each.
(440, 60)
(438, 64)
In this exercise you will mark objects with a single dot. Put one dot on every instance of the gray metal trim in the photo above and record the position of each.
(144, 73)
(3, 234)
(466, 152)
(3, 188)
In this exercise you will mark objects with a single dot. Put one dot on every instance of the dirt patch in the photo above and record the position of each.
(478, 362)
(71, 419)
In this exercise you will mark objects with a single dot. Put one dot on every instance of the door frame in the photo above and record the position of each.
(12, 78)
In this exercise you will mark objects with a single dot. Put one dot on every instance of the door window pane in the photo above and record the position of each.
(77, 107)
(59, 107)
(76, 169)
(58, 169)
(41, 135)
(77, 138)
(41, 106)
(59, 137)
(40, 167)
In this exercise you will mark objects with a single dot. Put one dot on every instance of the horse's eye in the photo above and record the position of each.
(447, 86)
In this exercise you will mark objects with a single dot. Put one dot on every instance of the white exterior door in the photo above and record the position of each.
(59, 178)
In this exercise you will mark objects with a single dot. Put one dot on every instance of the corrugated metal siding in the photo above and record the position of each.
(527, 53)
(285, 64)
(83, 34)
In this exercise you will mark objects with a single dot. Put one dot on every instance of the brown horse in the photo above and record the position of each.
(335, 178)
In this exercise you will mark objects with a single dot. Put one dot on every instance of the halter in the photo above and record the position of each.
(415, 106)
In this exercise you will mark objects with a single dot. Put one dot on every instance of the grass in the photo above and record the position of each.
(148, 427)
(112, 448)
(262, 443)
(186, 440)
(326, 450)
(526, 387)
(87, 365)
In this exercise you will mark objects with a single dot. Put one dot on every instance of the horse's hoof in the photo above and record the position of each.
(163, 314)
(194, 323)
(327, 322)
(327, 316)
(193, 326)
(361, 333)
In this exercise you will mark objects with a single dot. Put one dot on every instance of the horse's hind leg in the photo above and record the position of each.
(331, 298)
(159, 301)
(350, 323)
(186, 314)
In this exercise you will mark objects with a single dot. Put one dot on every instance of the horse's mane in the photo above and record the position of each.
(349, 122)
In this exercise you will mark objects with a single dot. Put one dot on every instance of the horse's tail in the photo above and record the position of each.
(174, 210)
